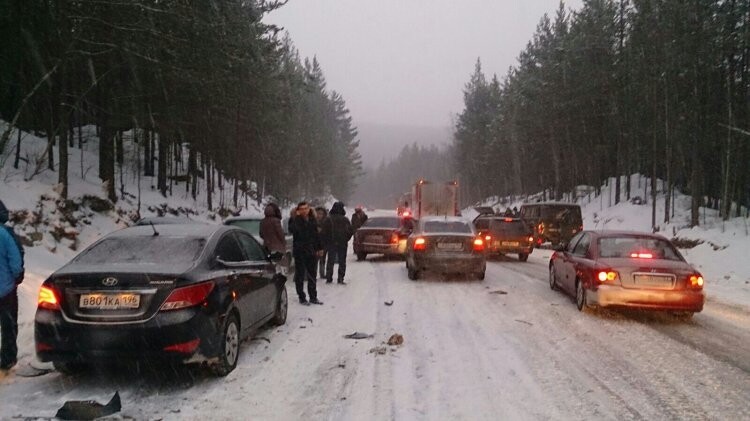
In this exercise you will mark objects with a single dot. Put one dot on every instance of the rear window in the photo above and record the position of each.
(383, 223)
(160, 250)
(250, 225)
(446, 226)
(509, 228)
(482, 224)
(637, 247)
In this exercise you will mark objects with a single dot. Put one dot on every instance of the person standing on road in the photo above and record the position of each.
(271, 231)
(306, 247)
(337, 230)
(358, 218)
(320, 215)
(11, 274)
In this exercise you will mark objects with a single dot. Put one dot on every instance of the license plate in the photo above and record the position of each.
(450, 246)
(109, 301)
(373, 239)
(510, 243)
(653, 280)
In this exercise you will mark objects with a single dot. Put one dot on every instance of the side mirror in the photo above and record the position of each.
(276, 256)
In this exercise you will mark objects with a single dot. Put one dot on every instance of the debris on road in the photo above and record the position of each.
(388, 303)
(358, 335)
(524, 321)
(29, 370)
(88, 410)
(380, 350)
(499, 292)
(396, 339)
(261, 338)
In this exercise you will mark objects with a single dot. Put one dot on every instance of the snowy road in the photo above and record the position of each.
(469, 352)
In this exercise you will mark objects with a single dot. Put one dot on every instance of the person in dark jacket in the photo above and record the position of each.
(11, 274)
(358, 218)
(305, 247)
(337, 231)
(271, 231)
(320, 215)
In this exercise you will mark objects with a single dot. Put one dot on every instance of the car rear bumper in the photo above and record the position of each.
(510, 249)
(60, 340)
(451, 264)
(376, 248)
(616, 296)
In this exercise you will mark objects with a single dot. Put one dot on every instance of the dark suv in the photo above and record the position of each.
(552, 222)
(505, 235)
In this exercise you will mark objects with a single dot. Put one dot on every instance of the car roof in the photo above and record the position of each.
(166, 220)
(445, 219)
(191, 230)
(552, 204)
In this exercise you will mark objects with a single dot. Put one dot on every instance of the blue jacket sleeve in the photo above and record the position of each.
(12, 255)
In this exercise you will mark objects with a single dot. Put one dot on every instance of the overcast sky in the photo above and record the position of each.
(405, 62)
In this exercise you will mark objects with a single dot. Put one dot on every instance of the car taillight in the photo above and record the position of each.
(695, 281)
(531, 239)
(487, 238)
(394, 238)
(185, 347)
(478, 244)
(48, 299)
(187, 296)
(607, 276)
(420, 244)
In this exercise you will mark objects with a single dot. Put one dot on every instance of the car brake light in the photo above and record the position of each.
(531, 239)
(185, 347)
(394, 238)
(642, 255)
(508, 219)
(48, 299)
(606, 276)
(487, 238)
(187, 296)
(420, 244)
(695, 281)
(478, 244)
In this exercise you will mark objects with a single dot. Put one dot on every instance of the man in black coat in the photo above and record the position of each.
(305, 247)
(337, 230)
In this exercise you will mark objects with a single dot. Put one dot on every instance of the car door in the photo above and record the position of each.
(564, 266)
(579, 260)
(261, 273)
(236, 272)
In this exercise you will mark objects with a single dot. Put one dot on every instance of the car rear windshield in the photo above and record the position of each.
(250, 225)
(446, 226)
(509, 227)
(383, 223)
(637, 247)
(150, 250)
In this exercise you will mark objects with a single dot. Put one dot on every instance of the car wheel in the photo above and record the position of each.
(581, 296)
(481, 275)
(412, 273)
(553, 279)
(361, 256)
(523, 257)
(229, 347)
(282, 306)
(683, 315)
(70, 368)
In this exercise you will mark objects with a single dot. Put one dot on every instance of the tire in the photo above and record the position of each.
(481, 275)
(70, 368)
(282, 307)
(229, 347)
(361, 256)
(683, 315)
(413, 274)
(581, 297)
(523, 257)
(553, 279)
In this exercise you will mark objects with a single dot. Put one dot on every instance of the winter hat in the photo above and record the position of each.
(338, 209)
(3, 213)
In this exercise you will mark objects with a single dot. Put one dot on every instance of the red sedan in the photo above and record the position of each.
(626, 269)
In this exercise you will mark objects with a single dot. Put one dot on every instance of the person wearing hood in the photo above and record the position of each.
(336, 233)
(359, 218)
(306, 248)
(11, 274)
(271, 231)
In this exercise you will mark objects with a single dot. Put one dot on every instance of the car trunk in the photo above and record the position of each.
(654, 274)
(120, 295)
(449, 244)
(375, 235)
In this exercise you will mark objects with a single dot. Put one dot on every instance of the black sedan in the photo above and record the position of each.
(446, 245)
(626, 269)
(176, 293)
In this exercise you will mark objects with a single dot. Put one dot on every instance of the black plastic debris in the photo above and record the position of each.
(388, 303)
(358, 335)
(88, 410)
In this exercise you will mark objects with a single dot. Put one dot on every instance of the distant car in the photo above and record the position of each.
(379, 235)
(251, 224)
(166, 220)
(505, 235)
(190, 293)
(446, 245)
(626, 269)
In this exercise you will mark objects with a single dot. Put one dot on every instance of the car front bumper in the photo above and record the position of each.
(58, 339)
(617, 296)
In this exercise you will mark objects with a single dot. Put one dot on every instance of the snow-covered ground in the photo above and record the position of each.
(470, 351)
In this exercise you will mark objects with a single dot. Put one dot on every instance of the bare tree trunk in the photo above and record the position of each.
(62, 174)
(18, 151)
(161, 178)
